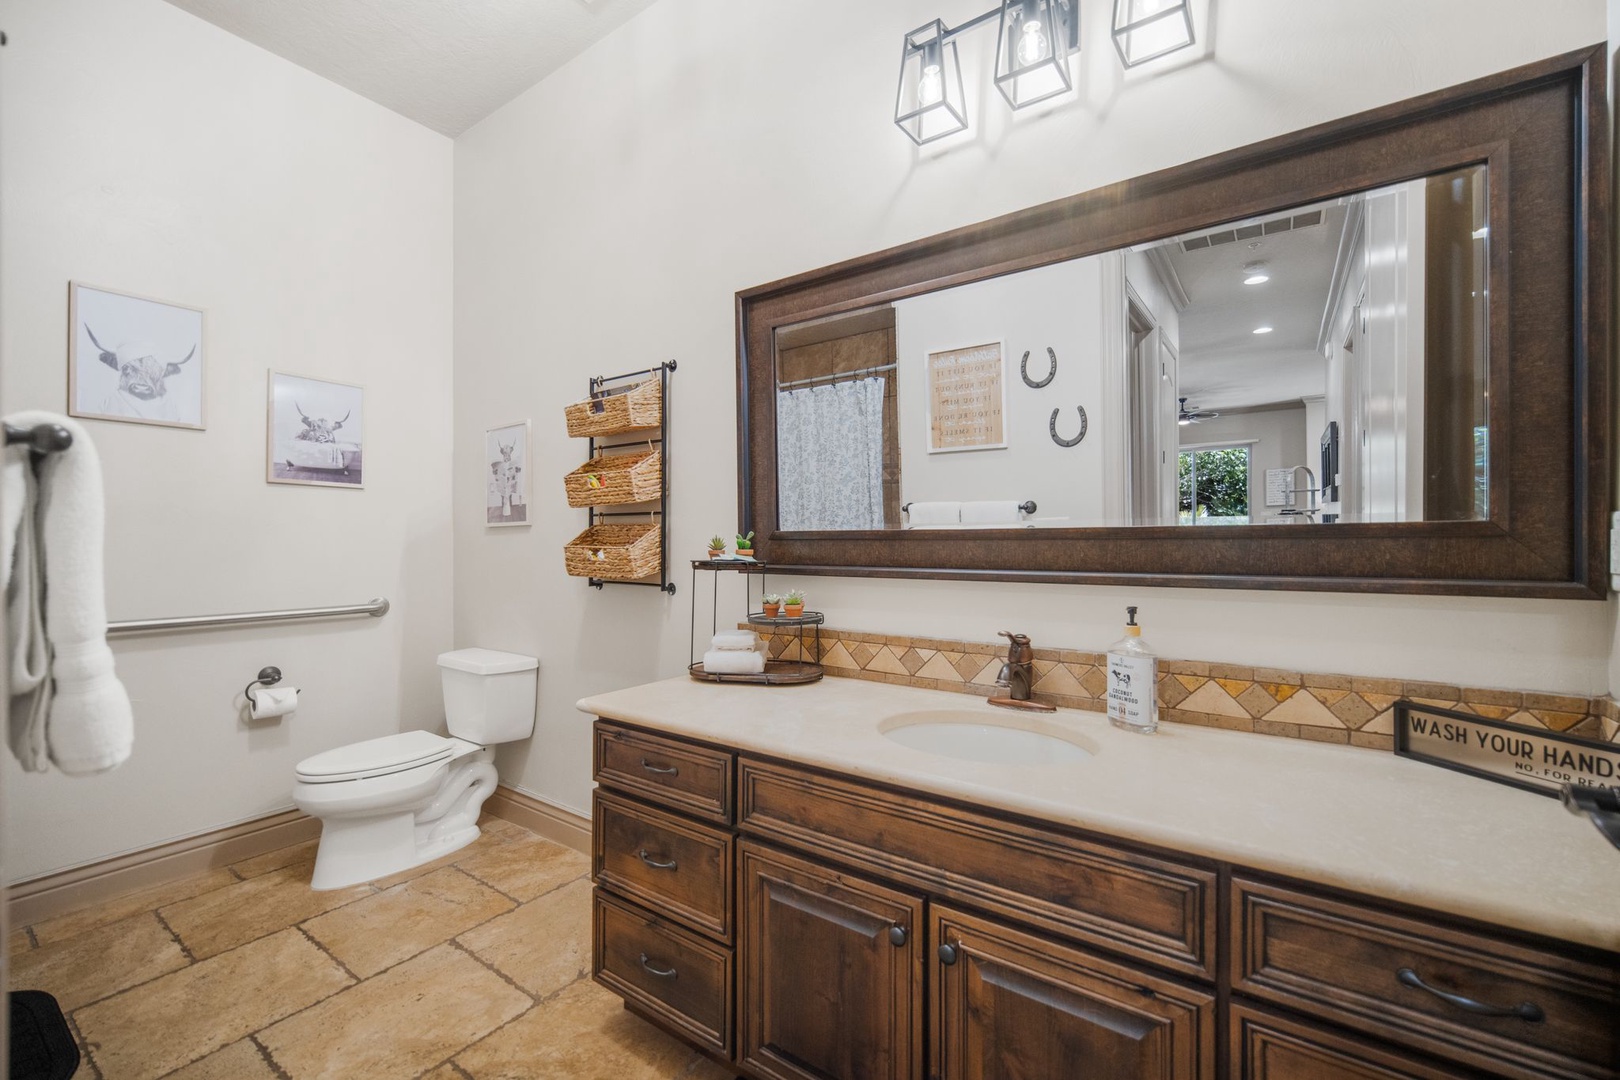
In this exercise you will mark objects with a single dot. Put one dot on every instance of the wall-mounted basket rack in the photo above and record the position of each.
(626, 420)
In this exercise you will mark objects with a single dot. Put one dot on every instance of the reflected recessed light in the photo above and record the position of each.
(1257, 279)
(1262, 329)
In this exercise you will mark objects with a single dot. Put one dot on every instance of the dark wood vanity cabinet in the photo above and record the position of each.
(806, 926)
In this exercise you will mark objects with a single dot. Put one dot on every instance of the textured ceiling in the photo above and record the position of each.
(444, 63)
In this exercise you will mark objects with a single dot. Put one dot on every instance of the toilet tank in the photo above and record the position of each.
(489, 695)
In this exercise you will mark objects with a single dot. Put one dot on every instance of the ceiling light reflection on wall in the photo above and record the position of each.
(1262, 329)
(930, 103)
(1148, 29)
(1032, 51)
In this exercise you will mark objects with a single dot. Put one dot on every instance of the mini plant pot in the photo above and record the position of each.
(772, 610)
(747, 552)
(715, 553)
(793, 611)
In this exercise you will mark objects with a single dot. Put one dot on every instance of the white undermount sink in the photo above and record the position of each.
(973, 735)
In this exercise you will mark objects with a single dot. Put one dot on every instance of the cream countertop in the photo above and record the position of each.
(1363, 820)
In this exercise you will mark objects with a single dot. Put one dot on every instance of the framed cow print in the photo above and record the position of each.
(506, 452)
(315, 432)
(134, 359)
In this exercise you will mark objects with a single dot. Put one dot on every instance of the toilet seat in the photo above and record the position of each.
(378, 757)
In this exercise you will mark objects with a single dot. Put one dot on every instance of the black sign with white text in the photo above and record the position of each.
(1542, 761)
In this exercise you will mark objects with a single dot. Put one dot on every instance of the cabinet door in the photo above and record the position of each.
(1008, 1004)
(1268, 1046)
(832, 979)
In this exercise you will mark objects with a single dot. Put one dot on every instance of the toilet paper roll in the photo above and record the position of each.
(270, 701)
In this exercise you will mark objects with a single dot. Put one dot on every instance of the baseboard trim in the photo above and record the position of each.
(543, 818)
(55, 894)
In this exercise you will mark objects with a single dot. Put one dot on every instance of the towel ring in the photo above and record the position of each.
(1023, 369)
(1052, 427)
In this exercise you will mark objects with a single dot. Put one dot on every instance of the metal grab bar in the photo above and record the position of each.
(376, 608)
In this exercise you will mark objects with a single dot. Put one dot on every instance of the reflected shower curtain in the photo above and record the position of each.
(829, 454)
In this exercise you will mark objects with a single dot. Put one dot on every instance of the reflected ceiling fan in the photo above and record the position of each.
(1189, 415)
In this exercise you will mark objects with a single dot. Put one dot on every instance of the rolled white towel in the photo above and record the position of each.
(735, 640)
(996, 512)
(934, 513)
(734, 662)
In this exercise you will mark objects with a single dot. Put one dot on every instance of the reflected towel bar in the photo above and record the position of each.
(376, 608)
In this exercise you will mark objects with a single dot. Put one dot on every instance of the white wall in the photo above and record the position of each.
(1057, 307)
(605, 219)
(147, 151)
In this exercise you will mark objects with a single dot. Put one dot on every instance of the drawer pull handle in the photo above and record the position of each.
(947, 955)
(654, 863)
(650, 767)
(897, 936)
(662, 973)
(1528, 1011)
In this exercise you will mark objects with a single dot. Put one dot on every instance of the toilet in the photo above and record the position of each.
(389, 804)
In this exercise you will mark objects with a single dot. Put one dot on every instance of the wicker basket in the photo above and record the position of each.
(636, 409)
(615, 552)
(619, 478)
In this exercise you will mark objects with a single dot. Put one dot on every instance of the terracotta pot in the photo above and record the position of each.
(715, 553)
(746, 552)
(771, 610)
(793, 611)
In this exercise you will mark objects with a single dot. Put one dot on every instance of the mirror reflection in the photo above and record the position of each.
(1321, 364)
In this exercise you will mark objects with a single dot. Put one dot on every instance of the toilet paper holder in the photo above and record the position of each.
(268, 676)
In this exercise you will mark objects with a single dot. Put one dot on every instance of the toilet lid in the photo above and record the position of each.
(376, 757)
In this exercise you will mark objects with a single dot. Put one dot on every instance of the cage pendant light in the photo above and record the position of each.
(1032, 50)
(930, 103)
(1148, 29)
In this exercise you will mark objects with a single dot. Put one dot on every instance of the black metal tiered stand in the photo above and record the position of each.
(777, 672)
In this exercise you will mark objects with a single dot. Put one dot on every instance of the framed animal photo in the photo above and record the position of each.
(133, 359)
(315, 432)
(506, 453)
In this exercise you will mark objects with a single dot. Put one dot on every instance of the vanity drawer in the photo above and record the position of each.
(670, 973)
(681, 775)
(674, 866)
(1132, 903)
(1270, 1046)
(1367, 970)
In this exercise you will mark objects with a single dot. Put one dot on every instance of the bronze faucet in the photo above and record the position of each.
(1018, 675)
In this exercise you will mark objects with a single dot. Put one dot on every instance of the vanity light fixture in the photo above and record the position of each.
(1148, 29)
(1032, 51)
(929, 103)
(1032, 64)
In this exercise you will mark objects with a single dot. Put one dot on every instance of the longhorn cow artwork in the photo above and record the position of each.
(315, 432)
(134, 359)
(506, 449)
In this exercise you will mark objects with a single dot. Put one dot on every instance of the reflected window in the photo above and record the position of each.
(1215, 486)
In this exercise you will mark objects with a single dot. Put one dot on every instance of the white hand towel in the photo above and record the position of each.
(733, 662)
(934, 513)
(1003, 512)
(72, 707)
(735, 640)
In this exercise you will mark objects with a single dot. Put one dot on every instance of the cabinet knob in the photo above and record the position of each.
(947, 955)
(897, 936)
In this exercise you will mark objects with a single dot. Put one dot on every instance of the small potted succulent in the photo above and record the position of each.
(745, 545)
(717, 546)
(773, 605)
(793, 604)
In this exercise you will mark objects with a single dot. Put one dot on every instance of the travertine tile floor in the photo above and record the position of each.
(475, 966)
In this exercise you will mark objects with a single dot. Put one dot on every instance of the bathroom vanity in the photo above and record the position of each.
(787, 881)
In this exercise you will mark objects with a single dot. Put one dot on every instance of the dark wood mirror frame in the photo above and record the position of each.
(1541, 129)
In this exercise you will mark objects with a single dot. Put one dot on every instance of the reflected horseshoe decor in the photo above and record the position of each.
(1023, 369)
(1068, 442)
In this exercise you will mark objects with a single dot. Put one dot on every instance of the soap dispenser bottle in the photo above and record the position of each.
(1133, 681)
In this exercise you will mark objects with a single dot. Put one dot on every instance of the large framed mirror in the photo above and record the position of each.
(1368, 356)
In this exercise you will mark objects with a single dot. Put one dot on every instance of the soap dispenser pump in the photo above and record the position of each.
(1133, 681)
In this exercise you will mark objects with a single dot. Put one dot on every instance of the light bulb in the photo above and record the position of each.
(930, 88)
(1032, 46)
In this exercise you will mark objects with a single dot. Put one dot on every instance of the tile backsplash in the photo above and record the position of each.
(1268, 701)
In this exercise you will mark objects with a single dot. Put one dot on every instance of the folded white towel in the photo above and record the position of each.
(934, 513)
(67, 706)
(735, 640)
(734, 662)
(1002, 512)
